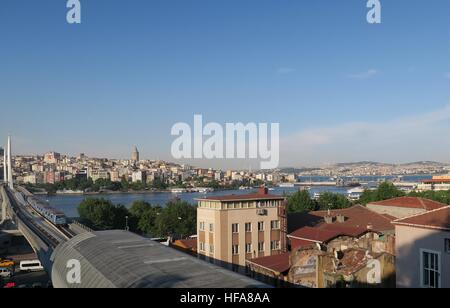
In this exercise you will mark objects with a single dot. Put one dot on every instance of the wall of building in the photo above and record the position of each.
(360, 277)
(223, 238)
(303, 270)
(409, 242)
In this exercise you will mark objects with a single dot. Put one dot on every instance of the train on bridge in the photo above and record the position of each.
(45, 210)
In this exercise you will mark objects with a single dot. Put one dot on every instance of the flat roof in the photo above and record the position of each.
(121, 259)
(246, 197)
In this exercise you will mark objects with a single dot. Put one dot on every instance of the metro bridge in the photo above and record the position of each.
(112, 259)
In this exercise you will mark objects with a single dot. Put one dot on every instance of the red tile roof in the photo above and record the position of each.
(296, 243)
(358, 221)
(276, 263)
(436, 181)
(351, 262)
(359, 216)
(326, 232)
(411, 202)
(187, 244)
(313, 234)
(247, 197)
(436, 219)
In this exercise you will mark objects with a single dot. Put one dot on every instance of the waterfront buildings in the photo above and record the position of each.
(139, 177)
(233, 229)
(437, 183)
(98, 174)
(115, 176)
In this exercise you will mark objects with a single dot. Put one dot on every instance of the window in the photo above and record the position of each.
(261, 246)
(211, 227)
(202, 246)
(235, 228)
(248, 227)
(248, 248)
(211, 248)
(447, 245)
(431, 267)
(261, 226)
(235, 249)
(202, 226)
(275, 224)
(275, 245)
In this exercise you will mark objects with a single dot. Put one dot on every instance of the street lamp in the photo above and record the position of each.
(126, 224)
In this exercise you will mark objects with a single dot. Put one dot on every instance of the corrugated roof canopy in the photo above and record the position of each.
(120, 259)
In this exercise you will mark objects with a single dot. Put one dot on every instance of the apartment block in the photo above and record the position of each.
(237, 228)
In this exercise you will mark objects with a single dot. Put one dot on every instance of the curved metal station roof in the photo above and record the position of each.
(121, 259)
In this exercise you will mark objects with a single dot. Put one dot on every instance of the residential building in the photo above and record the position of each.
(49, 177)
(423, 250)
(236, 228)
(139, 176)
(333, 249)
(52, 157)
(437, 183)
(34, 178)
(115, 177)
(98, 174)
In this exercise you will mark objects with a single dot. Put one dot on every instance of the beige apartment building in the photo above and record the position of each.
(236, 228)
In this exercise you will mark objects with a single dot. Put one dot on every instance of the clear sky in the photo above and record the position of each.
(341, 89)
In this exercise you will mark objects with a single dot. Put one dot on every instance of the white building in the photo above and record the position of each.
(139, 176)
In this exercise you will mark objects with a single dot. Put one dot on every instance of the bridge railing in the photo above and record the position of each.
(82, 226)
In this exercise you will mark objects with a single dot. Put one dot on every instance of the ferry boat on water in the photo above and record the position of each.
(355, 193)
(203, 190)
(244, 188)
(286, 185)
(178, 190)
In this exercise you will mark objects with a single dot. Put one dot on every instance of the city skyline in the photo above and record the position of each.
(174, 161)
(341, 89)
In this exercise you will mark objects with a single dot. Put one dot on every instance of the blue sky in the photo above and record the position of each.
(338, 86)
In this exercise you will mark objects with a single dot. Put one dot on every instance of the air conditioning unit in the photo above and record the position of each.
(261, 212)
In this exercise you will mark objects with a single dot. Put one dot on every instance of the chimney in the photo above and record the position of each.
(370, 226)
(263, 191)
(10, 177)
(328, 219)
(340, 218)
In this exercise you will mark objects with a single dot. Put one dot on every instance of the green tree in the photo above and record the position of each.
(301, 201)
(331, 201)
(177, 219)
(124, 183)
(159, 184)
(143, 217)
(439, 196)
(384, 191)
(102, 214)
